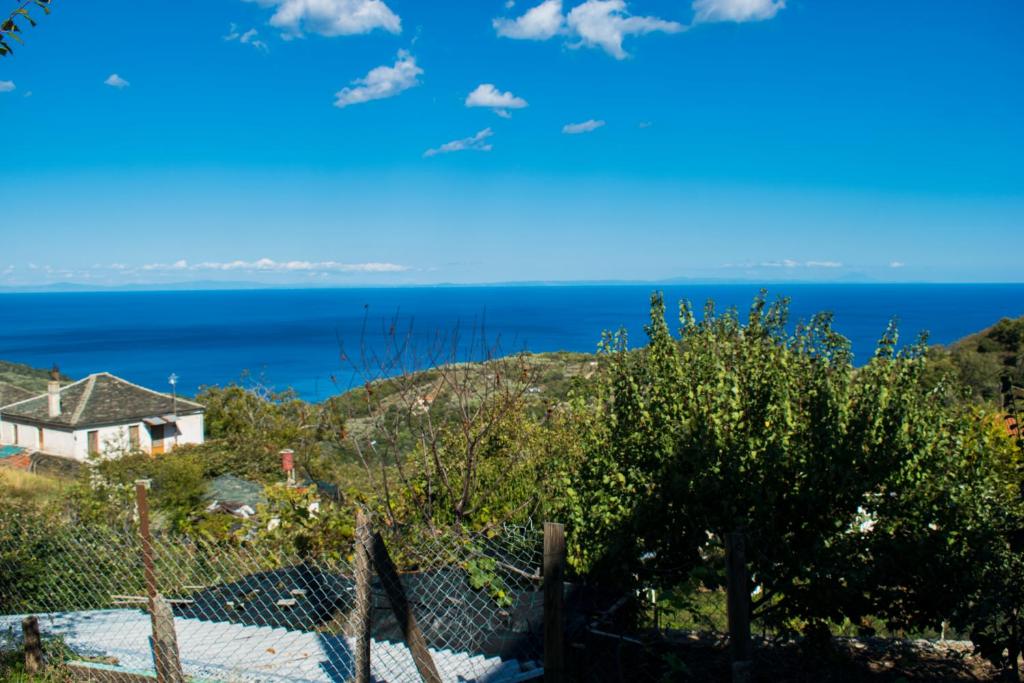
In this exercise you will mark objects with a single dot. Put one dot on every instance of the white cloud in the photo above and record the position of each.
(6, 86)
(735, 10)
(381, 82)
(332, 17)
(605, 23)
(249, 37)
(476, 142)
(595, 23)
(115, 81)
(790, 263)
(270, 265)
(583, 127)
(486, 95)
(896, 264)
(784, 263)
(538, 23)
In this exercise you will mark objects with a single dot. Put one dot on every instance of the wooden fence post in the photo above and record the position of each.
(554, 617)
(738, 605)
(403, 611)
(33, 645)
(163, 640)
(364, 606)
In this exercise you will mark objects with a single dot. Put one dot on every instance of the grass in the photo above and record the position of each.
(31, 488)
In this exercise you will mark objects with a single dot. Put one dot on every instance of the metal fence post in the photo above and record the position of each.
(363, 609)
(554, 617)
(164, 640)
(738, 604)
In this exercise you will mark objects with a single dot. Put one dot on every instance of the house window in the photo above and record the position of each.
(15, 434)
(42, 442)
(133, 437)
(94, 442)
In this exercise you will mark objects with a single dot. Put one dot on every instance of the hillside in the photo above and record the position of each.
(19, 382)
(981, 359)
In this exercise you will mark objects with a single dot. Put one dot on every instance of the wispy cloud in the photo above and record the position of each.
(270, 265)
(381, 82)
(332, 17)
(706, 11)
(786, 263)
(249, 37)
(486, 95)
(582, 127)
(6, 86)
(896, 264)
(476, 142)
(115, 81)
(594, 23)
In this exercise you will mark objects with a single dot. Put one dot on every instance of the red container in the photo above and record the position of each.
(287, 460)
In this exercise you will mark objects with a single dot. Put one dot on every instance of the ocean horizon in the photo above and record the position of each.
(301, 338)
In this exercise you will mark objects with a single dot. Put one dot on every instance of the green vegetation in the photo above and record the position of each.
(11, 26)
(879, 499)
(980, 360)
(862, 493)
(26, 377)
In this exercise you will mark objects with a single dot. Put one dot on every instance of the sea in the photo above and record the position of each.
(320, 342)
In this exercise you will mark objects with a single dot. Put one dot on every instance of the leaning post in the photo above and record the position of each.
(363, 610)
(164, 640)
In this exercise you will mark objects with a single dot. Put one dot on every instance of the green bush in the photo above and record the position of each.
(860, 491)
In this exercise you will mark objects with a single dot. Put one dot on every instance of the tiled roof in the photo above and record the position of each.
(99, 399)
(12, 394)
(227, 488)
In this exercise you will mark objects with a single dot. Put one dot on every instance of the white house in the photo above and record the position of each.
(101, 414)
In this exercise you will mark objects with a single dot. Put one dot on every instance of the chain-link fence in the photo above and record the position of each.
(435, 607)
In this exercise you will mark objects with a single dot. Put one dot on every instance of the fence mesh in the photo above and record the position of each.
(243, 613)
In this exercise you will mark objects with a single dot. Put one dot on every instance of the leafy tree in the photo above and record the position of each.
(753, 428)
(248, 425)
(10, 28)
(296, 522)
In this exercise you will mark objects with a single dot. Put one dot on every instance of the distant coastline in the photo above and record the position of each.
(213, 285)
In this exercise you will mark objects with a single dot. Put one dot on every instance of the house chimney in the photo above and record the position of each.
(53, 392)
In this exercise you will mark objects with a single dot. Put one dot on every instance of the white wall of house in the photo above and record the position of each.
(112, 439)
(191, 429)
(58, 442)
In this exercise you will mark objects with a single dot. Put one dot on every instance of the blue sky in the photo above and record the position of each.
(331, 141)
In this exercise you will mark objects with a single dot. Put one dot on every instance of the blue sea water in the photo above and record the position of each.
(295, 337)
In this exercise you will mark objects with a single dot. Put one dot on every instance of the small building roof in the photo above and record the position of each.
(99, 399)
(10, 393)
(227, 488)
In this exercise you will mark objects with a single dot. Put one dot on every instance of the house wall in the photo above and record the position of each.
(191, 429)
(6, 433)
(116, 438)
(54, 440)
(112, 439)
(58, 442)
